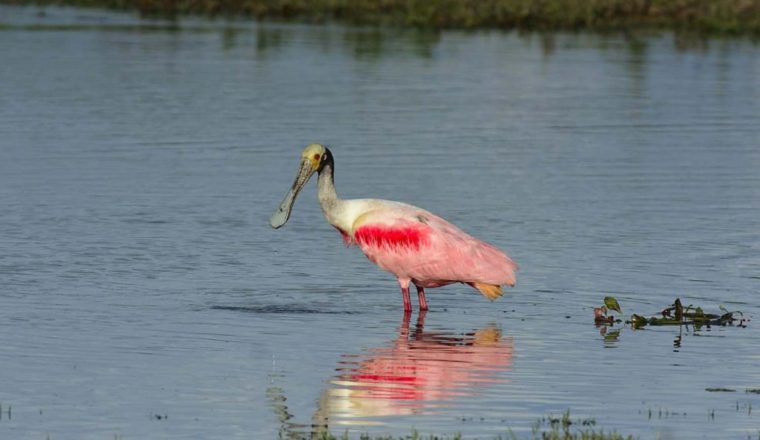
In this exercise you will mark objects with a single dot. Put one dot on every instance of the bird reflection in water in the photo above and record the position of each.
(414, 374)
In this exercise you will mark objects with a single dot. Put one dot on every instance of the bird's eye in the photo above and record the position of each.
(316, 156)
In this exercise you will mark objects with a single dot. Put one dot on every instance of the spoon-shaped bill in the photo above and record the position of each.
(281, 215)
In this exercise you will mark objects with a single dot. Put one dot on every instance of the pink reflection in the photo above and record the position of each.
(416, 372)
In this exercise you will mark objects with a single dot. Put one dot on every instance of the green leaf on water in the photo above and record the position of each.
(638, 321)
(612, 304)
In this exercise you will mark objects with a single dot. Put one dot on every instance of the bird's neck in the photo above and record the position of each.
(328, 198)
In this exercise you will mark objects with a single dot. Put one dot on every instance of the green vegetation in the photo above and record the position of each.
(565, 428)
(678, 315)
(701, 16)
(675, 314)
(547, 428)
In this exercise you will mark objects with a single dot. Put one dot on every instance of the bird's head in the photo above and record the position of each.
(313, 159)
(316, 155)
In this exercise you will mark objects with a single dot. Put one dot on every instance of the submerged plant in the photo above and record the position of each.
(566, 428)
(549, 427)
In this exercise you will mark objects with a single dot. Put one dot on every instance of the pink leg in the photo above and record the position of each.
(421, 297)
(403, 334)
(420, 322)
(405, 293)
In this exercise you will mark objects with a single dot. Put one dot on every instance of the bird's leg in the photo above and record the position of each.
(404, 283)
(419, 330)
(421, 297)
(403, 332)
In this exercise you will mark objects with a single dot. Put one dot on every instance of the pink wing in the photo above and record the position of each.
(413, 243)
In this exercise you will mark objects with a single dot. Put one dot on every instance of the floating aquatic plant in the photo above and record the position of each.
(601, 314)
(675, 314)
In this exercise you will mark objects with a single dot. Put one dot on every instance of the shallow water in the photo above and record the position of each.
(145, 296)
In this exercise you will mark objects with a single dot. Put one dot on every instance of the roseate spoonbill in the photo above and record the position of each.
(416, 246)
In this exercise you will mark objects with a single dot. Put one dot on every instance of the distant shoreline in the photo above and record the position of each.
(721, 17)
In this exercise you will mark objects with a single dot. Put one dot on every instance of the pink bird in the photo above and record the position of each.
(416, 246)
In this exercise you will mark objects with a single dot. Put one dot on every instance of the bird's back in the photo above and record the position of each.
(416, 244)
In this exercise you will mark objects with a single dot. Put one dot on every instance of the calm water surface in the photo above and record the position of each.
(143, 294)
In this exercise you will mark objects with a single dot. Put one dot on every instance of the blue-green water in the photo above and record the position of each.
(143, 294)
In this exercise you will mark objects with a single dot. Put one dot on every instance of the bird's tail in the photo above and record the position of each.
(490, 291)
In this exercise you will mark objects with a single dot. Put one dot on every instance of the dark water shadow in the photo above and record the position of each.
(415, 374)
(284, 309)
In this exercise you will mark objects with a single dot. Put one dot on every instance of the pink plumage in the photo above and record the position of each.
(425, 250)
(389, 238)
